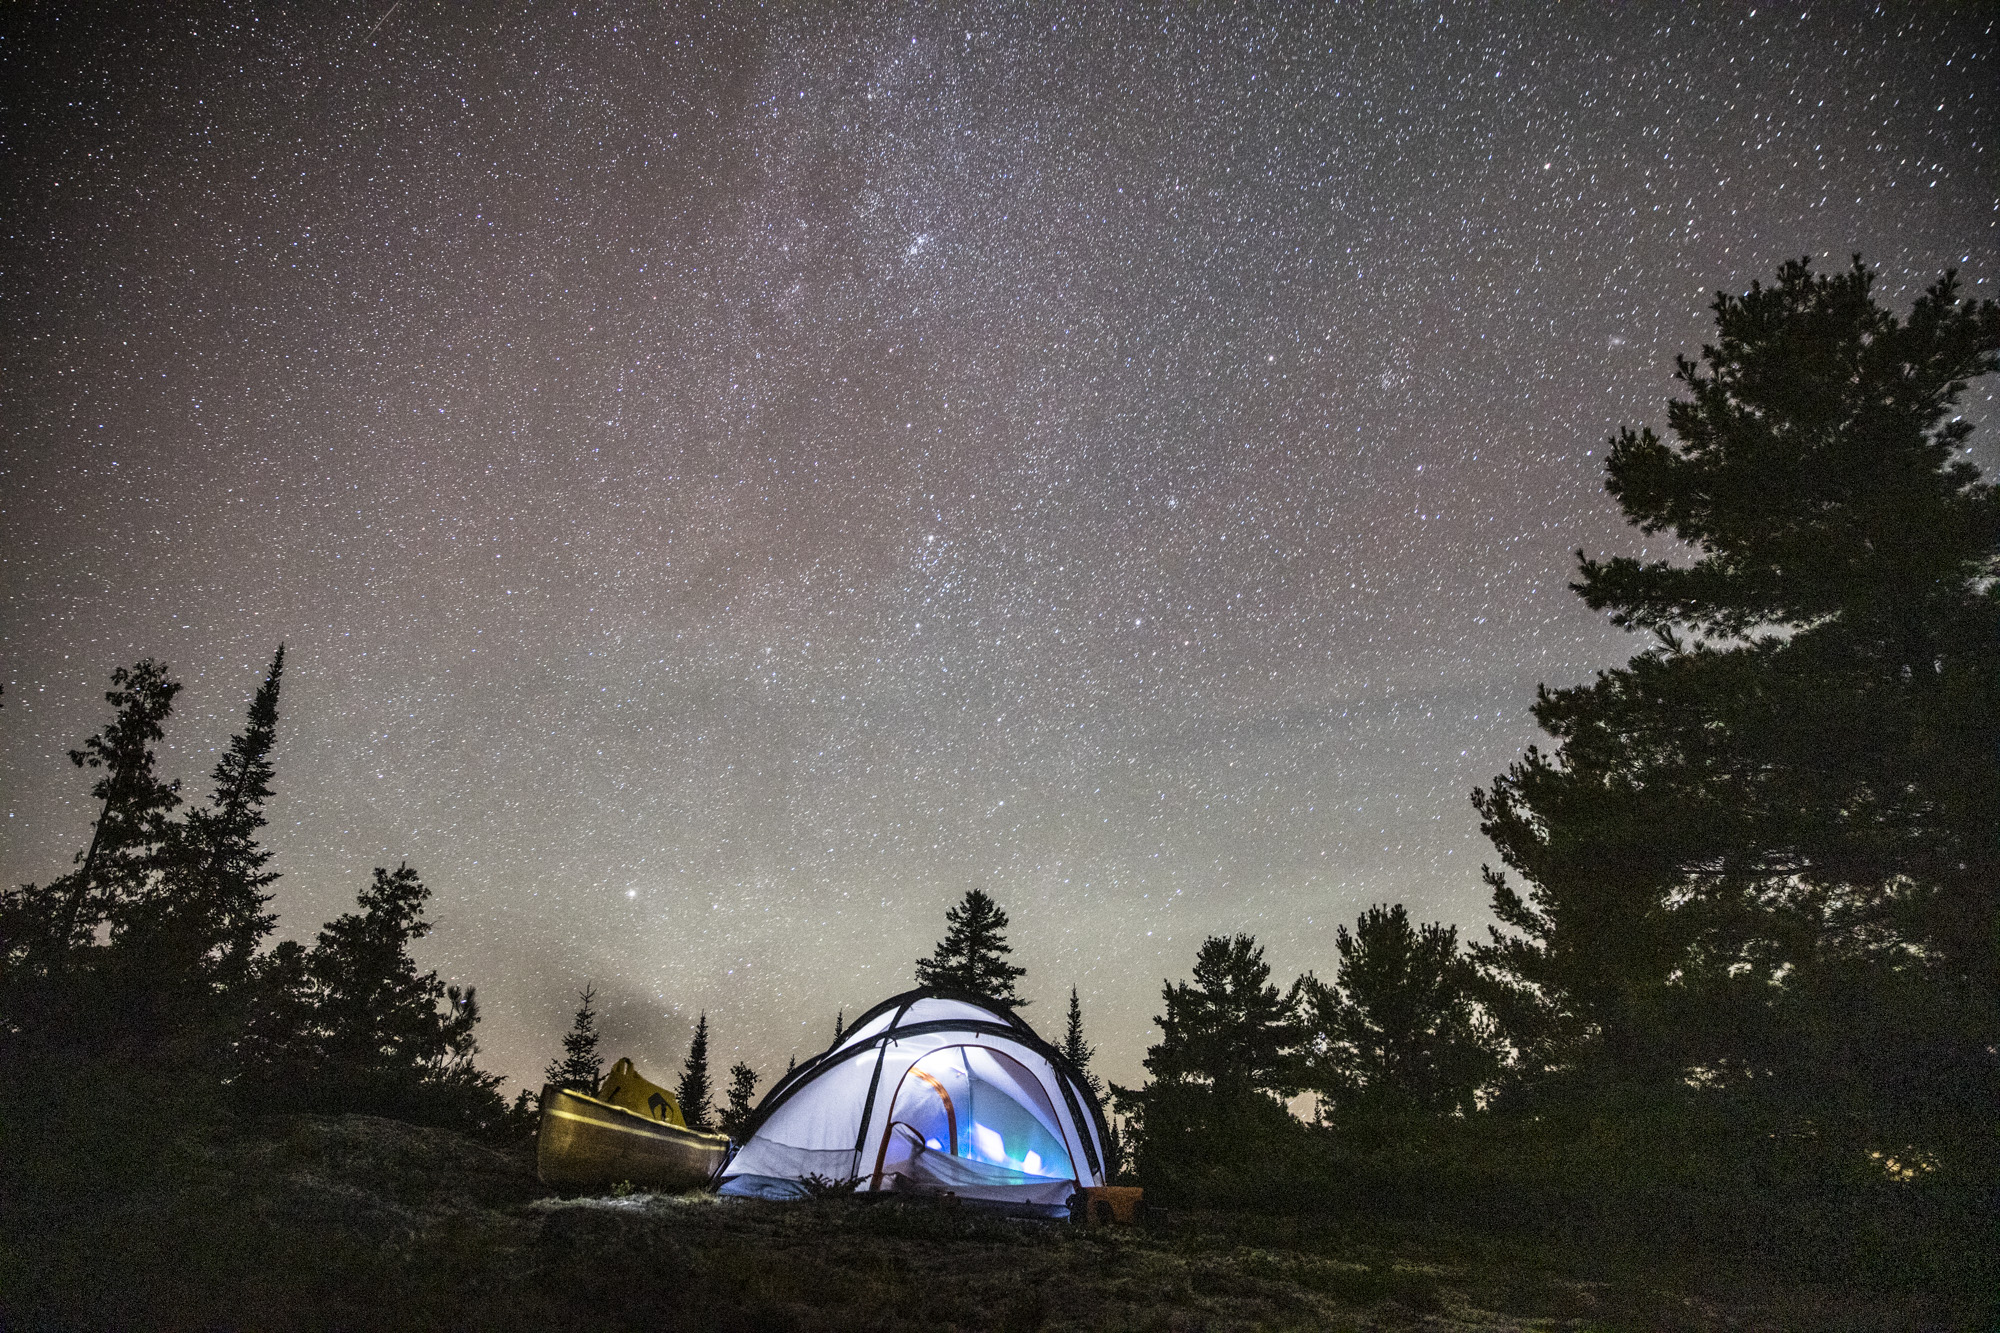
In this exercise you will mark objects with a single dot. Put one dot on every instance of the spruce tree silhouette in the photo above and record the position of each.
(579, 1068)
(204, 916)
(231, 891)
(742, 1096)
(694, 1091)
(1228, 1055)
(66, 994)
(972, 956)
(1078, 1051)
(184, 943)
(376, 1013)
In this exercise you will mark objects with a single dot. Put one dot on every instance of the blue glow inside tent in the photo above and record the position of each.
(987, 1108)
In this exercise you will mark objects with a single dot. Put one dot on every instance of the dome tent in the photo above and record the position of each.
(931, 1091)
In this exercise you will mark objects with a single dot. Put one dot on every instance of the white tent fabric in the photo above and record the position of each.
(929, 1092)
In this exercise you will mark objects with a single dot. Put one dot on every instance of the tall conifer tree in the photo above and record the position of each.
(972, 956)
(1231, 1029)
(134, 802)
(61, 994)
(1397, 1033)
(1228, 1055)
(225, 835)
(353, 1025)
(1078, 1051)
(204, 915)
(742, 1097)
(377, 1015)
(695, 1091)
(579, 1068)
(1763, 860)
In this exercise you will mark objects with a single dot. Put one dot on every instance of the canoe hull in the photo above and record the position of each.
(582, 1143)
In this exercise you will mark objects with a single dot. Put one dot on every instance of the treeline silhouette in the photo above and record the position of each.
(1746, 986)
(1745, 982)
(142, 968)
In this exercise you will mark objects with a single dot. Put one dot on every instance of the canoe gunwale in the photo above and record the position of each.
(582, 1142)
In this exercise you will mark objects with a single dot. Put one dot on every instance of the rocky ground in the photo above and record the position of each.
(350, 1222)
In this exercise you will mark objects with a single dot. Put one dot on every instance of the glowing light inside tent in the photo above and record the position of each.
(980, 1105)
(988, 1146)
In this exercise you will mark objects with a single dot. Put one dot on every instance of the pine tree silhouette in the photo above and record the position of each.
(735, 1118)
(1227, 1059)
(226, 834)
(372, 1033)
(1763, 851)
(1078, 1051)
(58, 980)
(580, 1068)
(132, 822)
(693, 1092)
(205, 916)
(973, 954)
(1231, 1029)
(1398, 1033)
(184, 940)
(377, 1014)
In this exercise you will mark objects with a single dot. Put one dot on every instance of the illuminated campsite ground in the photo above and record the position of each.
(353, 1222)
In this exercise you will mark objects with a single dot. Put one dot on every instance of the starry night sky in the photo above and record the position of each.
(732, 478)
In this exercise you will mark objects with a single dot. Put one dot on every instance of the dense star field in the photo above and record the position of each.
(730, 479)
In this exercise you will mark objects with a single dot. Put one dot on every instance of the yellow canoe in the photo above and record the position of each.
(625, 1086)
(583, 1142)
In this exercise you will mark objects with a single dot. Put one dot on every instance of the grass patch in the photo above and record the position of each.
(332, 1222)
